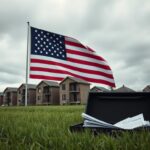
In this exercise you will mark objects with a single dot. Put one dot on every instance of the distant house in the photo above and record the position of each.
(123, 89)
(99, 89)
(10, 96)
(1, 98)
(47, 92)
(74, 90)
(147, 89)
(31, 98)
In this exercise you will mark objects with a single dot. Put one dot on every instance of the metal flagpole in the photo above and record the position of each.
(27, 63)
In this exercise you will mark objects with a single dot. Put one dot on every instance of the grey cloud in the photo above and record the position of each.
(10, 78)
(137, 55)
(11, 69)
(117, 30)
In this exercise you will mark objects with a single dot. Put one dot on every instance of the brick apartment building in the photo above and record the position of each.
(147, 89)
(10, 96)
(31, 98)
(1, 98)
(47, 92)
(99, 89)
(123, 89)
(74, 90)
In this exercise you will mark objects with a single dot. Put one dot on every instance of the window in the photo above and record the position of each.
(46, 89)
(39, 98)
(64, 97)
(63, 86)
(39, 90)
(73, 87)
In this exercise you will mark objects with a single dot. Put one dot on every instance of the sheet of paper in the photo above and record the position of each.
(132, 122)
(88, 123)
(127, 123)
(96, 121)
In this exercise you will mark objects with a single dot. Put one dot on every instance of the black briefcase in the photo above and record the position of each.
(113, 107)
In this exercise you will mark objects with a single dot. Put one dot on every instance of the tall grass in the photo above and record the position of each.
(46, 127)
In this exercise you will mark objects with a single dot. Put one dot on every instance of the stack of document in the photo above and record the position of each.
(128, 123)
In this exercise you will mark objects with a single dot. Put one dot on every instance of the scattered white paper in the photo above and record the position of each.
(90, 118)
(132, 122)
(128, 123)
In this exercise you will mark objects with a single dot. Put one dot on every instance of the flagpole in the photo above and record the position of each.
(27, 64)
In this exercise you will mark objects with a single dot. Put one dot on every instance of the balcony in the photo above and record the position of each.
(74, 102)
(46, 90)
(74, 98)
(74, 88)
(74, 91)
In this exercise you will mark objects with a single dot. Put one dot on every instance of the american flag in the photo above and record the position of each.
(54, 57)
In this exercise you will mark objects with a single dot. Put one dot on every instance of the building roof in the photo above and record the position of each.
(50, 83)
(99, 89)
(10, 89)
(30, 86)
(123, 89)
(147, 89)
(75, 79)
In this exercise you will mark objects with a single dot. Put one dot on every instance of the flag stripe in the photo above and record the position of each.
(87, 59)
(54, 69)
(88, 63)
(90, 49)
(84, 51)
(46, 77)
(74, 44)
(60, 79)
(71, 39)
(78, 49)
(70, 51)
(46, 62)
(71, 63)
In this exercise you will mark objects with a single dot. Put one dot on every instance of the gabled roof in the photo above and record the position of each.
(99, 88)
(147, 89)
(30, 86)
(49, 83)
(75, 80)
(10, 89)
(123, 89)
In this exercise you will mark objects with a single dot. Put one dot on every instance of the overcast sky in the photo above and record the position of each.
(118, 30)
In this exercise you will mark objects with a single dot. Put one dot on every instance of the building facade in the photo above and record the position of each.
(147, 89)
(10, 96)
(47, 93)
(124, 89)
(74, 90)
(1, 98)
(99, 89)
(31, 96)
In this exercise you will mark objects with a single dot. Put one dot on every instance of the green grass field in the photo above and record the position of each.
(46, 127)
